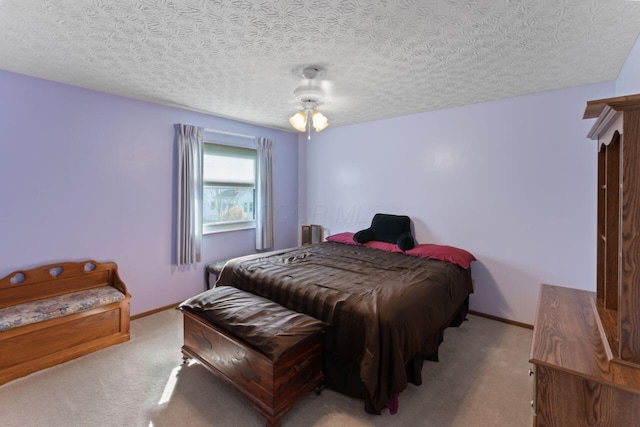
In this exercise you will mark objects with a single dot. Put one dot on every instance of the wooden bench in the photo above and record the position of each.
(270, 354)
(58, 312)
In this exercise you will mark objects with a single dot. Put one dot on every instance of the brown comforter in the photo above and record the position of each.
(386, 311)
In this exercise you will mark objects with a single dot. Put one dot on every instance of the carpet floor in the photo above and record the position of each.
(481, 380)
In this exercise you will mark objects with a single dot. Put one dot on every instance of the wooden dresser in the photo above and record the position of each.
(586, 345)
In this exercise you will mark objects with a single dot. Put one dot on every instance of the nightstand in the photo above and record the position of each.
(214, 268)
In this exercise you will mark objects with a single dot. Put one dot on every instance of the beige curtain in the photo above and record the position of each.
(189, 217)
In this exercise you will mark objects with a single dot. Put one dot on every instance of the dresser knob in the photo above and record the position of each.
(532, 403)
(530, 372)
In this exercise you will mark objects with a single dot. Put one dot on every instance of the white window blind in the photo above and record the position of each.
(229, 181)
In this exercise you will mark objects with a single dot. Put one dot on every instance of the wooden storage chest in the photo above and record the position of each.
(271, 384)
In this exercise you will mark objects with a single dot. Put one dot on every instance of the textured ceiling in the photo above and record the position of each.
(243, 58)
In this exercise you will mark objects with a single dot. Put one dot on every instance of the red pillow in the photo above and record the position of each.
(383, 246)
(444, 253)
(346, 238)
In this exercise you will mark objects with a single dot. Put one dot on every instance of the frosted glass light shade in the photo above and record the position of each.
(299, 121)
(319, 121)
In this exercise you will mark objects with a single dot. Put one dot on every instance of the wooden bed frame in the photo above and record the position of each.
(32, 347)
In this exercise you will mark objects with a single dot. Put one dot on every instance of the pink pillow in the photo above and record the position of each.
(346, 238)
(444, 253)
(383, 246)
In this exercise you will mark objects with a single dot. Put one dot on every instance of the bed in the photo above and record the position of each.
(387, 312)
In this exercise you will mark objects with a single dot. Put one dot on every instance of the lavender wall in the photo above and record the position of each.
(628, 82)
(513, 181)
(85, 175)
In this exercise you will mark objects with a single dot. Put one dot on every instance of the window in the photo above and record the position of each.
(229, 188)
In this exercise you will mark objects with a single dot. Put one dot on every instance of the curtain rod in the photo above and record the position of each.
(221, 132)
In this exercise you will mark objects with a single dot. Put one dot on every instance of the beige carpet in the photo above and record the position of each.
(481, 380)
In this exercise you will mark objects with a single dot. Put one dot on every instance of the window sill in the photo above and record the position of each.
(223, 228)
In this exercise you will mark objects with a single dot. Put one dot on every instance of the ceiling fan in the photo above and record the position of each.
(309, 96)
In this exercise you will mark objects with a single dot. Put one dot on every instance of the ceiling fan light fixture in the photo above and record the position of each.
(320, 122)
(299, 121)
(309, 97)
